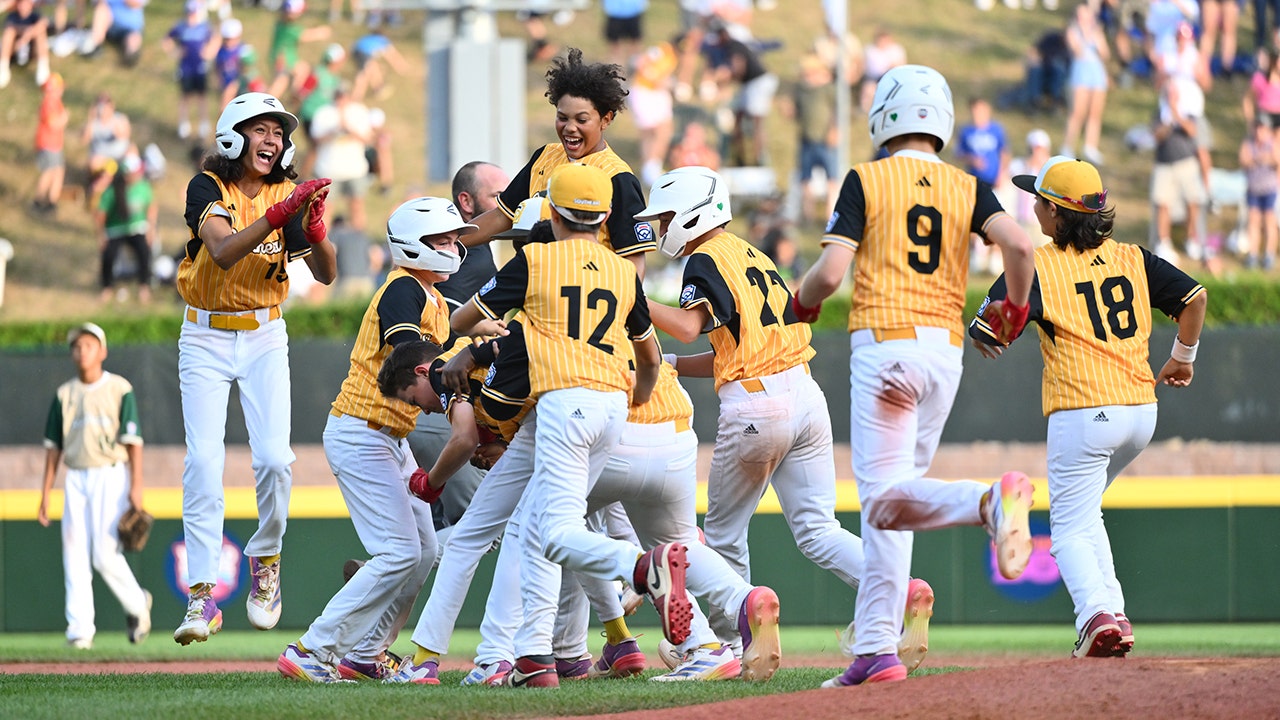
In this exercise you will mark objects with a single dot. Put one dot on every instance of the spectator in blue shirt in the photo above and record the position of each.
(983, 147)
(194, 43)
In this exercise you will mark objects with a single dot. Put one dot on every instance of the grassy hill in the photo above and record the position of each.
(54, 273)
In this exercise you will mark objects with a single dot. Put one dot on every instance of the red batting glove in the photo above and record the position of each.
(313, 228)
(420, 487)
(1006, 319)
(280, 213)
(805, 314)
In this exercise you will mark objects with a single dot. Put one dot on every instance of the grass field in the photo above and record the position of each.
(263, 693)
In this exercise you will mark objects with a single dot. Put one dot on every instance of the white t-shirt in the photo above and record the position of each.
(339, 147)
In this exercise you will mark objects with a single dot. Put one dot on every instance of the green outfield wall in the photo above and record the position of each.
(1198, 563)
(1235, 397)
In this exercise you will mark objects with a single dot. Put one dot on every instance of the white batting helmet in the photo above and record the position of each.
(415, 221)
(699, 198)
(231, 142)
(912, 99)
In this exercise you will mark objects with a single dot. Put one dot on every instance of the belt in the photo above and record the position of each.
(753, 385)
(909, 333)
(247, 320)
(384, 429)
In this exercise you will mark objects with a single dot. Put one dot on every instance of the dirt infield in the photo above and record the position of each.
(1003, 687)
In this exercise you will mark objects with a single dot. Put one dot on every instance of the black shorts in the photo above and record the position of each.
(617, 29)
(194, 83)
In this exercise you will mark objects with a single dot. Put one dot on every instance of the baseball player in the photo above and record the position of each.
(774, 426)
(411, 374)
(502, 402)
(908, 217)
(587, 323)
(475, 190)
(247, 221)
(364, 441)
(93, 425)
(587, 98)
(1092, 299)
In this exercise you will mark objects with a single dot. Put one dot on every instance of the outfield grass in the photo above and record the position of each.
(264, 694)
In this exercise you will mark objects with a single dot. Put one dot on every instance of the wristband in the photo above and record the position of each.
(1183, 353)
(670, 358)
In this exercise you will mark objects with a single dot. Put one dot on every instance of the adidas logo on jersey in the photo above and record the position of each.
(591, 265)
(923, 182)
(1100, 417)
(751, 430)
(1097, 261)
(577, 415)
(896, 368)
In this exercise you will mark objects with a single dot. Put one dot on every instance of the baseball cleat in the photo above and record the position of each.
(428, 673)
(296, 664)
(1099, 638)
(579, 669)
(485, 674)
(263, 603)
(669, 654)
(378, 670)
(870, 669)
(618, 661)
(203, 618)
(761, 643)
(704, 664)
(914, 643)
(1125, 646)
(531, 671)
(1010, 521)
(659, 573)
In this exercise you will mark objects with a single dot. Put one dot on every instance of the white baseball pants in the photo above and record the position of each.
(257, 361)
(1087, 449)
(777, 430)
(577, 430)
(94, 500)
(901, 392)
(395, 528)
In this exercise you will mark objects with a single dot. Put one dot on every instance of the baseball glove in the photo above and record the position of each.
(134, 529)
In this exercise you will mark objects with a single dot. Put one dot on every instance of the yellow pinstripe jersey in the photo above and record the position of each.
(257, 280)
(908, 217)
(622, 232)
(583, 304)
(669, 401)
(752, 329)
(1094, 314)
(401, 307)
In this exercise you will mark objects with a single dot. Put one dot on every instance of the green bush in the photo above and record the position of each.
(1252, 302)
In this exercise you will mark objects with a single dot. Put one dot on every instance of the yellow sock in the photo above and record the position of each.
(270, 559)
(711, 646)
(201, 588)
(615, 631)
(422, 655)
(301, 647)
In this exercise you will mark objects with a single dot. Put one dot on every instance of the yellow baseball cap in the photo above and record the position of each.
(86, 329)
(582, 188)
(1067, 182)
(527, 213)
